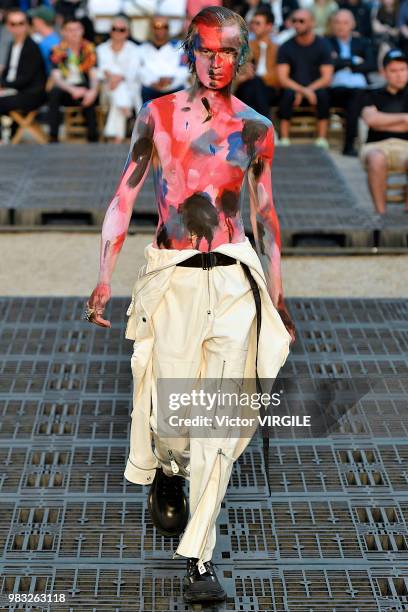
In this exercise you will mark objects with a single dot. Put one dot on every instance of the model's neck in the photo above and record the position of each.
(218, 99)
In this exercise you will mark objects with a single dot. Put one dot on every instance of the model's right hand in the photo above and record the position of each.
(98, 300)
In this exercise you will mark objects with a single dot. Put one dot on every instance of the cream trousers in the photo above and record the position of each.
(201, 329)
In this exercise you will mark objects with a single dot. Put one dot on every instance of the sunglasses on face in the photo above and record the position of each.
(161, 27)
(298, 20)
(15, 24)
(118, 29)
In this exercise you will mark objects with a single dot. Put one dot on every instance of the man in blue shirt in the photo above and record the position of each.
(43, 26)
(353, 60)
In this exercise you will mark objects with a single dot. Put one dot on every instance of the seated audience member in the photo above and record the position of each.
(118, 61)
(5, 36)
(257, 85)
(353, 59)
(163, 67)
(177, 9)
(247, 9)
(385, 110)
(304, 71)
(107, 8)
(403, 26)
(75, 79)
(22, 81)
(43, 19)
(75, 9)
(281, 10)
(384, 22)
(362, 14)
(322, 10)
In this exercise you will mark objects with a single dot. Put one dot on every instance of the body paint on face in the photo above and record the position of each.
(216, 54)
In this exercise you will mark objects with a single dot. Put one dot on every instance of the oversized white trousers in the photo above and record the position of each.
(201, 327)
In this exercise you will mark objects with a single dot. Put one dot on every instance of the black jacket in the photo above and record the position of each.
(359, 46)
(31, 75)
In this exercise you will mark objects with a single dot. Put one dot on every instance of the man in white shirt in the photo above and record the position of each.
(118, 60)
(163, 67)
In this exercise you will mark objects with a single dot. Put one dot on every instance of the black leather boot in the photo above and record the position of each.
(167, 504)
(202, 587)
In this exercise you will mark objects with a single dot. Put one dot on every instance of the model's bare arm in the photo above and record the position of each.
(119, 211)
(265, 224)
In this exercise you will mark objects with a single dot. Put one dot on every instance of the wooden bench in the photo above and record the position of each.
(27, 123)
(303, 124)
(396, 189)
(75, 123)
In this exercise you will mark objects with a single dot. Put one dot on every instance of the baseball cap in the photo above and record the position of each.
(43, 12)
(394, 55)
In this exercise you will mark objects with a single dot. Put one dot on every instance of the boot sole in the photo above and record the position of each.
(203, 597)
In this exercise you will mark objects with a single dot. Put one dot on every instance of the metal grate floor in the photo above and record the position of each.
(333, 537)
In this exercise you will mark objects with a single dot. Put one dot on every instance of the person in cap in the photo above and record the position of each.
(43, 19)
(385, 111)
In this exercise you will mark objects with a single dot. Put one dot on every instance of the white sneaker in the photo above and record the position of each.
(322, 142)
(284, 142)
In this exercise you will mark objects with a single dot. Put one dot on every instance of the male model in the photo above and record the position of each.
(206, 304)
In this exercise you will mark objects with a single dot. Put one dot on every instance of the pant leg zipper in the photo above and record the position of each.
(219, 452)
(174, 467)
(200, 562)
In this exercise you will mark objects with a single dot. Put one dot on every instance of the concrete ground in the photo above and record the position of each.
(60, 263)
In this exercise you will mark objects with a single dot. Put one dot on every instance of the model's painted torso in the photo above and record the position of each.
(200, 158)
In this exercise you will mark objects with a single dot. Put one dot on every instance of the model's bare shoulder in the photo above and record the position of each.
(247, 112)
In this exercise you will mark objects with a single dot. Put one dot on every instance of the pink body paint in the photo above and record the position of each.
(202, 143)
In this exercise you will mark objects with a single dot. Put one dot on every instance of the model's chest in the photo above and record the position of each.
(189, 139)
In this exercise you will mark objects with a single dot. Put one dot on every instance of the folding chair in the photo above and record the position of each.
(27, 123)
